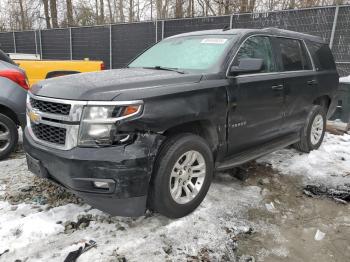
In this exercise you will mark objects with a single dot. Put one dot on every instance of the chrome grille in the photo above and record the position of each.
(50, 107)
(55, 122)
(51, 134)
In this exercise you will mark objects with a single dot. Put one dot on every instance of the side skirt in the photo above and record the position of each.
(257, 152)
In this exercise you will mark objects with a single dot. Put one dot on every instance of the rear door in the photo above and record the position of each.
(325, 70)
(256, 100)
(299, 81)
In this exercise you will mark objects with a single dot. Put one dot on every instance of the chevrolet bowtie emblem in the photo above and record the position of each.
(34, 117)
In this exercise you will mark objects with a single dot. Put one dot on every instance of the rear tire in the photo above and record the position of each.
(8, 136)
(182, 175)
(313, 132)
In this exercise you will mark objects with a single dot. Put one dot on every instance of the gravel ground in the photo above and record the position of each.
(263, 216)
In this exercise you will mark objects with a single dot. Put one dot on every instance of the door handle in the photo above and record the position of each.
(311, 82)
(277, 87)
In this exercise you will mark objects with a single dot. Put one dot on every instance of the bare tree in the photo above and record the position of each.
(102, 12)
(190, 8)
(46, 13)
(23, 17)
(131, 10)
(179, 8)
(111, 16)
(53, 10)
(32, 14)
(70, 21)
(96, 9)
(162, 8)
(121, 11)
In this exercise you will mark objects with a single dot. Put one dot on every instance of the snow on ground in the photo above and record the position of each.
(329, 165)
(345, 79)
(36, 232)
(40, 234)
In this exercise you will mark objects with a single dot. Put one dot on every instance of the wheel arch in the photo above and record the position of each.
(202, 128)
(323, 101)
(9, 113)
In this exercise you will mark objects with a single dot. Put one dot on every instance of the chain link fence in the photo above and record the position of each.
(117, 44)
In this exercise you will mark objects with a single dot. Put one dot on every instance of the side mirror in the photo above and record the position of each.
(247, 65)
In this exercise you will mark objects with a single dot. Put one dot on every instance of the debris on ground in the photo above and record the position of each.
(41, 192)
(204, 255)
(236, 234)
(116, 257)
(319, 235)
(4, 252)
(340, 193)
(246, 258)
(83, 222)
(73, 255)
(270, 207)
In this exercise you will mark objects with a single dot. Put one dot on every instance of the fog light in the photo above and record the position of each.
(102, 185)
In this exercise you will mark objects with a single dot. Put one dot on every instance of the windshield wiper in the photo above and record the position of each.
(165, 68)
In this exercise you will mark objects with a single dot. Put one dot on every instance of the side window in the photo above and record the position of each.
(322, 56)
(293, 55)
(257, 47)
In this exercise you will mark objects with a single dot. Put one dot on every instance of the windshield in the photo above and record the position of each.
(187, 53)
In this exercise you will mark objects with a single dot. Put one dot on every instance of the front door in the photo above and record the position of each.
(256, 100)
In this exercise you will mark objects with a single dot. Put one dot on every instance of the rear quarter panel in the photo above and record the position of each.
(13, 97)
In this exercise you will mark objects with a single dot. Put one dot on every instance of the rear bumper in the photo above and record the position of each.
(127, 169)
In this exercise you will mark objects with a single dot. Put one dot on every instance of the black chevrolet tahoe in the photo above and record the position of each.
(152, 135)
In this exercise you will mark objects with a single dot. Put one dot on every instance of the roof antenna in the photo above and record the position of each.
(226, 27)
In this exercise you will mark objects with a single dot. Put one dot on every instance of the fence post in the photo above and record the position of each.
(36, 43)
(14, 41)
(110, 47)
(163, 22)
(156, 30)
(334, 27)
(70, 44)
(41, 45)
(231, 21)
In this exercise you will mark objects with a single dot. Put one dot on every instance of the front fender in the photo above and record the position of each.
(206, 105)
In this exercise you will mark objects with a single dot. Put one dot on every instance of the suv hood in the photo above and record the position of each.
(108, 85)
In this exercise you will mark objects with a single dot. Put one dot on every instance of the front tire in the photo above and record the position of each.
(314, 130)
(182, 175)
(8, 136)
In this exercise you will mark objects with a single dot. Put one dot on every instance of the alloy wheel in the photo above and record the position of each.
(317, 129)
(187, 177)
(5, 137)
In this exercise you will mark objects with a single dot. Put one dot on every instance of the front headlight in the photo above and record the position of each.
(98, 125)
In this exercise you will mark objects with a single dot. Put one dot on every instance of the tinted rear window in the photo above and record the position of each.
(293, 55)
(322, 56)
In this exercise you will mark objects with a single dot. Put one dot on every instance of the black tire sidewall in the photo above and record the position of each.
(12, 127)
(318, 110)
(164, 203)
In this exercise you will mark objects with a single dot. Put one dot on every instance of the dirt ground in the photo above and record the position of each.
(297, 218)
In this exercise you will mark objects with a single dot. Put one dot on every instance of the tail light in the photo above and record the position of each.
(16, 76)
(103, 67)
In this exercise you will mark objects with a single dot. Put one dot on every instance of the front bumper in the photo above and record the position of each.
(128, 168)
